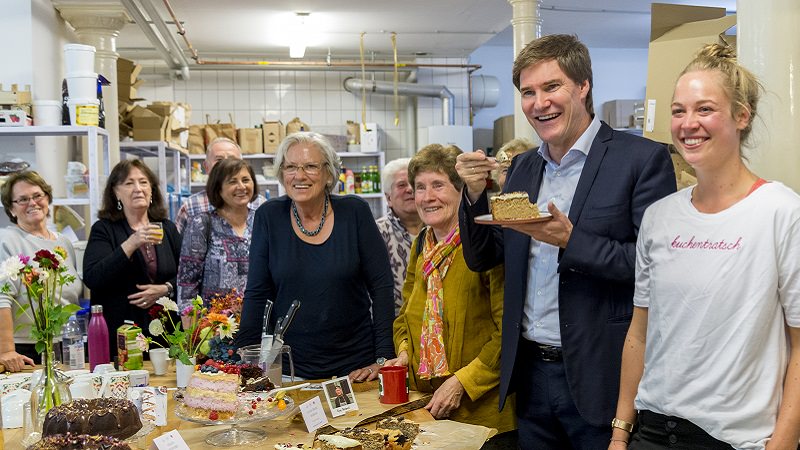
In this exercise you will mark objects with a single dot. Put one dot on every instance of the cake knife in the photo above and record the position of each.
(280, 330)
(266, 339)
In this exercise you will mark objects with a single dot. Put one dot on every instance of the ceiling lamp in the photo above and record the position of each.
(297, 46)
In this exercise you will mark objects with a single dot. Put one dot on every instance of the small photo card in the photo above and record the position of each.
(313, 414)
(339, 393)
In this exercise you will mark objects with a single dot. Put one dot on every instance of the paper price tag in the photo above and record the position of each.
(169, 441)
(313, 414)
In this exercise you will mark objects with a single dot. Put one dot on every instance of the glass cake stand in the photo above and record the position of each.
(237, 435)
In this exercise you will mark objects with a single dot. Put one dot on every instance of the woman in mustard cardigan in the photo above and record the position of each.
(448, 330)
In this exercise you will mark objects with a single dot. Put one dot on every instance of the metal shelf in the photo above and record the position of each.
(91, 134)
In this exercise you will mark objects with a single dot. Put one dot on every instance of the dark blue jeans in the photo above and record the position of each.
(657, 431)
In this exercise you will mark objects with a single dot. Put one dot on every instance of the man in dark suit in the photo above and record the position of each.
(569, 280)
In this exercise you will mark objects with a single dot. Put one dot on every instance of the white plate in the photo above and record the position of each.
(487, 219)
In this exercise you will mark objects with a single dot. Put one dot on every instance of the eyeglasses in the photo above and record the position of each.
(25, 200)
(309, 169)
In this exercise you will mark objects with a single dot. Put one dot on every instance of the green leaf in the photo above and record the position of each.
(40, 346)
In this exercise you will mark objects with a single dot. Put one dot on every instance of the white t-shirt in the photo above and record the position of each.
(719, 288)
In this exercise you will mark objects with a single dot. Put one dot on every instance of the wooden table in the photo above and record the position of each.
(441, 434)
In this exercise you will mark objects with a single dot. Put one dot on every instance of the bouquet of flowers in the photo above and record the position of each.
(43, 278)
(186, 343)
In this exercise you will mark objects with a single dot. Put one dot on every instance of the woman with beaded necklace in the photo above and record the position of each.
(327, 252)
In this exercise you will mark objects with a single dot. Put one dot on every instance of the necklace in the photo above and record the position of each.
(300, 223)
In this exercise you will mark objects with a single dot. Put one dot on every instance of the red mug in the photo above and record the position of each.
(393, 384)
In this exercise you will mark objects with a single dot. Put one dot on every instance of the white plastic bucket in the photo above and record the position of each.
(47, 113)
(84, 111)
(79, 58)
(82, 84)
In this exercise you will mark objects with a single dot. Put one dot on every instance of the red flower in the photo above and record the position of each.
(155, 311)
(46, 259)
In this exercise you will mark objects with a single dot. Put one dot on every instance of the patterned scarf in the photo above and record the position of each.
(438, 256)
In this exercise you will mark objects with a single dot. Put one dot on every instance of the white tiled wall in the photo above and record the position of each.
(318, 98)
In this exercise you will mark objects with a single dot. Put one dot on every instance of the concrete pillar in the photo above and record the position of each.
(526, 21)
(768, 44)
(98, 23)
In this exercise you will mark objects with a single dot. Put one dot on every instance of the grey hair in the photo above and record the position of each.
(217, 140)
(390, 171)
(331, 159)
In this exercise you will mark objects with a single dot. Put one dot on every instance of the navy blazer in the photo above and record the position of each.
(622, 176)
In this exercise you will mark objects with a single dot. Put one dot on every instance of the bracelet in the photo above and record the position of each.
(622, 425)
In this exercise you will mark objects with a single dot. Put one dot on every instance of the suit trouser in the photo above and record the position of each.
(547, 417)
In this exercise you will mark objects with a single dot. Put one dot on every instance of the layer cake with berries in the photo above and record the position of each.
(211, 392)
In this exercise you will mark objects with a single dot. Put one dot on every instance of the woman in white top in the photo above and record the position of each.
(712, 356)
(26, 200)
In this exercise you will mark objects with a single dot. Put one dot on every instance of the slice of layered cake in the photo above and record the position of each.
(211, 392)
(513, 206)
(333, 442)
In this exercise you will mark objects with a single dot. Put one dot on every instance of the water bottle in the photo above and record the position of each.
(72, 344)
(98, 338)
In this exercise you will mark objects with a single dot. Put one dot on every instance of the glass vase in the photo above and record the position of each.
(51, 389)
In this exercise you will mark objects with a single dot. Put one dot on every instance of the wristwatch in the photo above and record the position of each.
(380, 361)
(622, 425)
(170, 289)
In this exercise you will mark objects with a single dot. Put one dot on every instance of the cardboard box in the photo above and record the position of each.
(129, 71)
(148, 126)
(274, 132)
(250, 140)
(128, 352)
(619, 113)
(503, 131)
(677, 32)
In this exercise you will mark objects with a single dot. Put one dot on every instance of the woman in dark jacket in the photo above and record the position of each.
(128, 265)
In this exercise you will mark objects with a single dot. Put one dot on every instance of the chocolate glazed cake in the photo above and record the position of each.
(104, 416)
(71, 441)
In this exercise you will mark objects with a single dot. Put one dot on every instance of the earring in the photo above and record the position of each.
(151, 200)
(119, 205)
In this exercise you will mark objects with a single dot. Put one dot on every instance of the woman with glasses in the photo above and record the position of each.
(325, 251)
(130, 260)
(216, 243)
(26, 200)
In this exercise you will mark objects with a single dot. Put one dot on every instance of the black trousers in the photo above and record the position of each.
(657, 431)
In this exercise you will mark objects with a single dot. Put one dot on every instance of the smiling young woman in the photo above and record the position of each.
(717, 264)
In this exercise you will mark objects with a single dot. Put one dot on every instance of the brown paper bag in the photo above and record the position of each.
(296, 125)
(196, 144)
(250, 140)
(353, 133)
(212, 131)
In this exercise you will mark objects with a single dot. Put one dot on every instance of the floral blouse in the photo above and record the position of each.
(214, 259)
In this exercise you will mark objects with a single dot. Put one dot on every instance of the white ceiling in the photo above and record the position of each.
(258, 28)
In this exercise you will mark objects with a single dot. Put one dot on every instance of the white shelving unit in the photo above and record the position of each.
(169, 161)
(354, 161)
(92, 135)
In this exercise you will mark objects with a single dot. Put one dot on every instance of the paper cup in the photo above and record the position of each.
(116, 385)
(159, 357)
(82, 390)
(79, 58)
(82, 84)
(104, 368)
(93, 379)
(84, 111)
(393, 384)
(139, 377)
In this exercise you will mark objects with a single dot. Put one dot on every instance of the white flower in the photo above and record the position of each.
(227, 330)
(141, 342)
(168, 304)
(43, 275)
(156, 328)
(11, 267)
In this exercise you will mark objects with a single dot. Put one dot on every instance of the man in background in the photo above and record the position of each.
(401, 224)
(217, 150)
(568, 297)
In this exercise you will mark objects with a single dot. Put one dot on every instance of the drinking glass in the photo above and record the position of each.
(275, 370)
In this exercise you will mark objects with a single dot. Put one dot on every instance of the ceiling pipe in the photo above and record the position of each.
(174, 56)
(353, 85)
